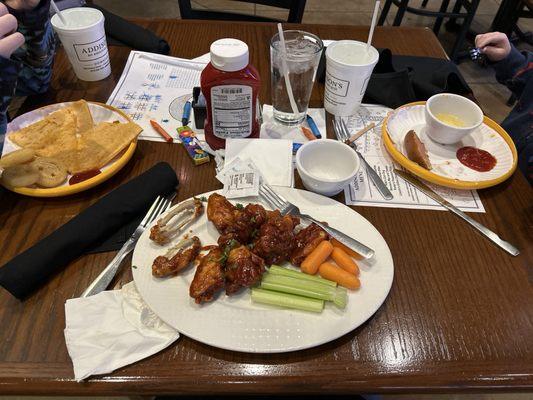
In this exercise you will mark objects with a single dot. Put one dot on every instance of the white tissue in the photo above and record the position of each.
(272, 157)
(112, 329)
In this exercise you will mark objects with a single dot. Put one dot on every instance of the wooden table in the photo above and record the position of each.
(459, 316)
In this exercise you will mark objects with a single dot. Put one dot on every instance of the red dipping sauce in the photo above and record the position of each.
(230, 85)
(476, 159)
(83, 176)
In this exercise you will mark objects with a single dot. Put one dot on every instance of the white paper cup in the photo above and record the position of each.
(84, 41)
(348, 70)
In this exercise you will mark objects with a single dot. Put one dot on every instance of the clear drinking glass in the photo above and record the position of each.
(302, 58)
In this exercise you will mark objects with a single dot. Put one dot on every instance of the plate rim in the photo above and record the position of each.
(89, 183)
(429, 176)
(295, 348)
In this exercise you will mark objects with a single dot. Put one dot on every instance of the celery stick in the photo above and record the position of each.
(305, 288)
(277, 270)
(297, 286)
(341, 298)
(287, 300)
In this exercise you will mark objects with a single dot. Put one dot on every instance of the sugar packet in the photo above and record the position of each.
(241, 178)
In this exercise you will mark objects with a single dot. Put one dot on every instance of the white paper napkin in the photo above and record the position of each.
(273, 158)
(271, 129)
(112, 329)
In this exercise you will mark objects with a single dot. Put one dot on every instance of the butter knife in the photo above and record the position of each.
(493, 237)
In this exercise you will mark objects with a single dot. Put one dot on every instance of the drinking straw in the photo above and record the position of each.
(372, 26)
(285, 69)
(58, 12)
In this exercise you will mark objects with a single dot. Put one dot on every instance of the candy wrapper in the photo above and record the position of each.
(192, 146)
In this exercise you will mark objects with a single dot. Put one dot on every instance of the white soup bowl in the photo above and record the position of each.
(461, 107)
(326, 166)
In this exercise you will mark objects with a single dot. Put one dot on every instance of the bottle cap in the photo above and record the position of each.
(229, 54)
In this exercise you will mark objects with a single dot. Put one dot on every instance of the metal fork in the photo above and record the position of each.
(285, 207)
(344, 135)
(159, 206)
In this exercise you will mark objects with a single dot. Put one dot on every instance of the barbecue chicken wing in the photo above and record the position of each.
(305, 242)
(220, 212)
(275, 239)
(243, 269)
(209, 277)
(177, 258)
(234, 223)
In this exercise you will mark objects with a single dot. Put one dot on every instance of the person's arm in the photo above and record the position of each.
(10, 40)
(513, 68)
(37, 55)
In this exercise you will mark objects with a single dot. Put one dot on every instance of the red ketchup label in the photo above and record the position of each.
(476, 159)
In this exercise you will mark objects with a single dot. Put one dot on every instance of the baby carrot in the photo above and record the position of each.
(336, 274)
(346, 249)
(344, 261)
(316, 257)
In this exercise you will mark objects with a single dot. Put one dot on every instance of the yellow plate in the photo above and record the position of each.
(107, 171)
(441, 180)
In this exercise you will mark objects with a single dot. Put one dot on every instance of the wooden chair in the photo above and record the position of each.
(507, 17)
(469, 6)
(295, 7)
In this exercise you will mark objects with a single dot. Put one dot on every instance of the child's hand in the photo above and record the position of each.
(495, 45)
(10, 39)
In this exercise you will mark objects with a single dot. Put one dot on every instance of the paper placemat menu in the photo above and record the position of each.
(153, 86)
(362, 192)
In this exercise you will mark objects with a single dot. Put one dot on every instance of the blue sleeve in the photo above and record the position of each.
(29, 69)
(36, 56)
(8, 82)
(515, 70)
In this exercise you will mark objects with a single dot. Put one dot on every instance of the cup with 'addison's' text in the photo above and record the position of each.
(83, 37)
(348, 69)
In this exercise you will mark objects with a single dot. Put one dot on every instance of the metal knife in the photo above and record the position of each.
(493, 237)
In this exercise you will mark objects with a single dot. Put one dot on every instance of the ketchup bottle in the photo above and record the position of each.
(230, 86)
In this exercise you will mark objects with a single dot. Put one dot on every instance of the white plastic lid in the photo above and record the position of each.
(229, 54)
(78, 19)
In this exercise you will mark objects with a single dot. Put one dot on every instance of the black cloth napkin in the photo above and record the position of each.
(398, 80)
(132, 35)
(117, 239)
(32, 268)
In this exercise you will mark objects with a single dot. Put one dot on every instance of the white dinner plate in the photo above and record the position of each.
(234, 322)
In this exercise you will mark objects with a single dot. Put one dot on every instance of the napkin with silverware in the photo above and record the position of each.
(112, 329)
(33, 267)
